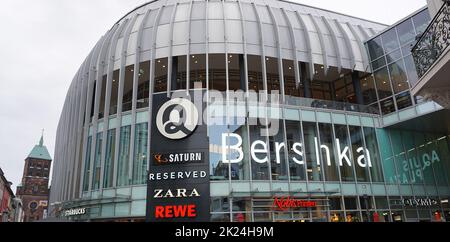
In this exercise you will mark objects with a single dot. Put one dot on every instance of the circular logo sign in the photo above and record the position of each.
(177, 119)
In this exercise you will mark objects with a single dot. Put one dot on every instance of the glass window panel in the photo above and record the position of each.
(326, 147)
(273, 77)
(390, 41)
(413, 158)
(143, 85)
(114, 93)
(441, 164)
(411, 70)
(400, 157)
(241, 170)
(87, 165)
(372, 146)
(357, 143)
(178, 73)
(255, 75)
(140, 154)
(394, 56)
(383, 83)
(406, 32)
(427, 158)
(161, 75)
(278, 154)
(390, 174)
(290, 88)
(421, 21)
(218, 169)
(260, 171)
(97, 162)
(368, 90)
(93, 101)
(198, 71)
(403, 100)
(128, 89)
(398, 76)
(347, 174)
(217, 72)
(101, 107)
(109, 159)
(236, 72)
(375, 48)
(350, 203)
(314, 168)
(380, 62)
(123, 177)
(296, 161)
(387, 106)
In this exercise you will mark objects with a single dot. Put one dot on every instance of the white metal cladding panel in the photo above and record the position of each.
(182, 13)
(234, 31)
(198, 10)
(285, 38)
(180, 33)
(249, 13)
(215, 10)
(232, 11)
(163, 36)
(216, 31)
(147, 35)
(252, 33)
(139, 20)
(131, 49)
(269, 35)
(198, 34)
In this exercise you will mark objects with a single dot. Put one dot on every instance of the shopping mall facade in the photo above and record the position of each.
(251, 111)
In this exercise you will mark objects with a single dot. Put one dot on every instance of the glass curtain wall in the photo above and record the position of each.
(392, 63)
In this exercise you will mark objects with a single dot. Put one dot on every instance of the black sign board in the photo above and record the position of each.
(178, 178)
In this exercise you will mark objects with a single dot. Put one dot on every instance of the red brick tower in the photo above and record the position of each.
(34, 190)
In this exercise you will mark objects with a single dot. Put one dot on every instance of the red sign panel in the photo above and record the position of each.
(286, 203)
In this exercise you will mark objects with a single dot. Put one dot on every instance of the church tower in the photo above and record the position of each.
(34, 190)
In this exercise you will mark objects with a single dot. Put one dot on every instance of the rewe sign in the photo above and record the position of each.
(233, 143)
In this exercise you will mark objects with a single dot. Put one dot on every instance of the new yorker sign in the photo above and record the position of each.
(178, 178)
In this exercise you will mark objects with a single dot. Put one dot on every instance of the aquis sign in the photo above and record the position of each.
(288, 203)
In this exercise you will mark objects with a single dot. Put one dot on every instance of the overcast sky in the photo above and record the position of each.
(43, 43)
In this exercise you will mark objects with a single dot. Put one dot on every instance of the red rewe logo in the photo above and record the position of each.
(286, 203)
(176, 211)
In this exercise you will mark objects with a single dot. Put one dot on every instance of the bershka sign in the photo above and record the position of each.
(287, 203)
(233, 142)
(178, 158)
(178, 178)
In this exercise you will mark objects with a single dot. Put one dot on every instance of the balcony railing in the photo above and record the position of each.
(434, 41)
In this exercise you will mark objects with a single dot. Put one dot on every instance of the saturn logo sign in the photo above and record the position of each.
(177, 119)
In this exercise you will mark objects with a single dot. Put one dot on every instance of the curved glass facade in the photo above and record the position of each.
(321, 142)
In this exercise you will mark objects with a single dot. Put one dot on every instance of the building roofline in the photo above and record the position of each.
(286, 1)
(331, 11)
(397, 23)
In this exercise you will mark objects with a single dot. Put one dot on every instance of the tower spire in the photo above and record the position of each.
(41, 142)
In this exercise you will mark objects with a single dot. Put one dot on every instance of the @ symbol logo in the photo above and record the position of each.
(177, 119)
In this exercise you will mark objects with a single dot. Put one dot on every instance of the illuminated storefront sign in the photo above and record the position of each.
(287, 203)
(420, 202)
(260, 147)
(75, 212)
(178, 188)
(178, 158)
